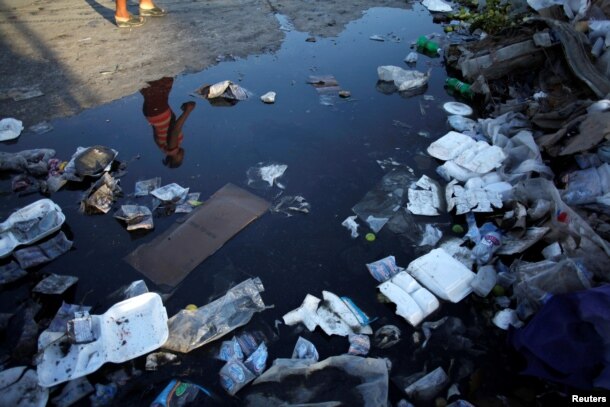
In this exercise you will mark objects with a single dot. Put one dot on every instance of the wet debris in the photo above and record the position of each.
(55, 284)
(135, 216)
(10, 129)
(100, 197)
(224, 93)
(289, 205)
(268, 97)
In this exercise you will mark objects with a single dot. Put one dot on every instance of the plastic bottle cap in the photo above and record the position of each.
(458, 108)
(370, 237)
(191, 307)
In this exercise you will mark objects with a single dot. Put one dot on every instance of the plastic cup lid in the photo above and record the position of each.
(457, 108)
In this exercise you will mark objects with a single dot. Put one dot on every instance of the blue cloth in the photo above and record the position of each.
(568, 338)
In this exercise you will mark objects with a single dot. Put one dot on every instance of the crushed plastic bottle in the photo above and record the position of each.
(491, 240)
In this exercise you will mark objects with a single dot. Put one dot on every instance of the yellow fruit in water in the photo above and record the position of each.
(191, 307)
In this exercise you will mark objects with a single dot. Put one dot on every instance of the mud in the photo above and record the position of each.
(74, 53)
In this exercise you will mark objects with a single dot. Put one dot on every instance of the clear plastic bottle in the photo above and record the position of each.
(491, 239)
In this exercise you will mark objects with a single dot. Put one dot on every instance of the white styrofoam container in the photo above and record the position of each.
(129, 329)
(443, 275)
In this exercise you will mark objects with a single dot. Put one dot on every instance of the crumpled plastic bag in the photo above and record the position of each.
(10, 129)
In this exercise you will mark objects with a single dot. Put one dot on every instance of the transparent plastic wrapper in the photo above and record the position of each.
(288, 205)
(55, 284)
(44, 252)
(426, 388)
(351, 224)
(536, 281)
(224, 90)
(19, 388)
(585, 186)
(461, 124)
(359, 345)
(145, 187)
(10, 129)
(234, 376)
(384, 269)
(575, 235)
(522, 157)
(484, 281)
(506, 318)
(257, 361)
(72, 392)
(384, 201)
(411, 58)
(304, 349)
(431, 236)
(230, 350)
(158, 359)
(266, 175)
(30, 224)
(135, 216)
(171, 193)
(287, 382)
(403, 79)
(189, 330)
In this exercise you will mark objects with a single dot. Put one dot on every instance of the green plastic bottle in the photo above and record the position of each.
(423, 43)
(458, 86)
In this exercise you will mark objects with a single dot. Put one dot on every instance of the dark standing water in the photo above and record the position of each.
(331, 153)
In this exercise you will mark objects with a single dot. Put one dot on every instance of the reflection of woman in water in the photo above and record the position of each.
(167, 130)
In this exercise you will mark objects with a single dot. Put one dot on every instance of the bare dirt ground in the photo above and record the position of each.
(74, 53)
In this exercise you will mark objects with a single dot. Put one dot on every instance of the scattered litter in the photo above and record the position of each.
(457, 108)
(55, 284)
(265, 175)
(72, 392)
(428, 387)
(30, 224)
(461, 124)
(386, 336)
(33, 162)
(206, 230)
(351, 225)
(145, 187)
(335, 315)
(136, 216)
(506, 318)
(442, 274)
(304, 349)
(179, 393)
(268, 97)
(472, 197)
(376, 38)
(345, 94)
(488, 244)
(158, 359)
(10, 129)
(291, 204)
(102, 194)
(474, 156)
(484, 281)
(64, 314)
(327, 88)
(171, 193)
(413, 302)
(426, 201)
(104, 394)
(384, 269)
(19, 388)
(224, 90)
(431, 236)
(89, 161)
(437, 6)
(291, 381)
(512, 245)
(404, 80)
(11, 272)
(43, 252)
(41, 128)
(189, 330)
(411, 58)
(190, 202)
(21, 93)
(359, 345)
(129, 329)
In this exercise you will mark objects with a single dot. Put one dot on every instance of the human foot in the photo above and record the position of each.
(129, 22)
